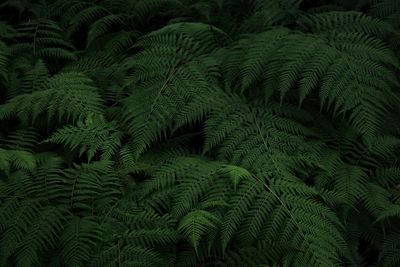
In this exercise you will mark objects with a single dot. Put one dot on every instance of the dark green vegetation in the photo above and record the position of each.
(200, 133)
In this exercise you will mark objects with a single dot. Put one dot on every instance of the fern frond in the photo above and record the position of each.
(78, 239)
(68, 95)
(22, 139)
(266, 14)
(241, 204)
(174, 81)
(248, 65)
(388, 175)
(130, 256)
(4, 54)
(91, 134)
(85, 17)
(376, 200)
(388, 10)
(101, 26)
(366, 101)
(349, 184)
(152, 237)
(338, 21)
(16, 224)
(46, 39)
(147, 9)
(41, 236)
(34, 79)
(392, 211)
(265, 131)
(92, 186)
(390, 251)
(121, 41)
(18, 159)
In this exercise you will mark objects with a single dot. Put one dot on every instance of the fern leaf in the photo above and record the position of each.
(91, 135)
(101, 27)
(78, 239)
(68, 95)
(195, 224)
(3, 60)
(167, 82)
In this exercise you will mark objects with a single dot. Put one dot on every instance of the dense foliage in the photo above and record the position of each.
(199, 133)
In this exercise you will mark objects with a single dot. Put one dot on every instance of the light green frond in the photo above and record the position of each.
(92, 134)
(195, 224)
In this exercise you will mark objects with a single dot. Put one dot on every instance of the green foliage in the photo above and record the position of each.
(199, 133)
(195, 224)
(67, 95)
(90, 135)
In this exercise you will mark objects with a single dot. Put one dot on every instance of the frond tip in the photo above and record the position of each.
(196, 224)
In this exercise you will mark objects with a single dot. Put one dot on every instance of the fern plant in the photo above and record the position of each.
(199, 133)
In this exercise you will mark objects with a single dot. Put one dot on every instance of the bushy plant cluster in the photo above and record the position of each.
(197, 133)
